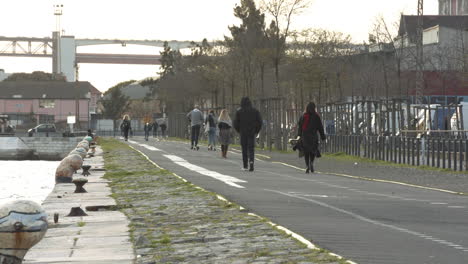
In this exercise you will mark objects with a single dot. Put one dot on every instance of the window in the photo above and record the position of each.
(47, 103)
(46, 119)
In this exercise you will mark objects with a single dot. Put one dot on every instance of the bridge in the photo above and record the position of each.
(65, 59)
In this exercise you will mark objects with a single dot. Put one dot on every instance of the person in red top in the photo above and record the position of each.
(309, 128)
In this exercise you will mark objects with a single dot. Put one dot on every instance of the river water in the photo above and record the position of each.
(30, 180)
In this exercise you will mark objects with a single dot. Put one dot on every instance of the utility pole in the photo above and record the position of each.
(419, 54)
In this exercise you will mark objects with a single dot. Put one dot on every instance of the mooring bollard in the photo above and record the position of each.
(79, 185)
(86, 170)
(22, 225)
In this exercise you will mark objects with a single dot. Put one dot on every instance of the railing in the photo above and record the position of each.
(445, 153)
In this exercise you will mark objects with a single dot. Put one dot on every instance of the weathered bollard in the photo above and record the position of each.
(22, 225)
(75, 161)
(88, 138)
(81, 151)
(64, 172)
(79, 185)
(86, 170)
(83, 144)
(77, 211)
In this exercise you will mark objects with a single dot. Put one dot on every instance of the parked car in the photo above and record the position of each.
(43, 129)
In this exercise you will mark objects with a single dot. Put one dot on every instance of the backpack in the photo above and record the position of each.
(125, 124)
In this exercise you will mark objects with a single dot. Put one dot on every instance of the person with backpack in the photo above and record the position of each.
(126, 126)
(308, 130)
(248, 122)
(210, 122)
(224, 125)
(196, 120)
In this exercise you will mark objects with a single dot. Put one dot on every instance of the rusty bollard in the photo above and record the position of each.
(86, 170)
(79, 185)
(22, 225)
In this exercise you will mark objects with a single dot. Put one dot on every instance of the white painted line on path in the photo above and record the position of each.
(229, 180)
(144, 145)
(143, 154)
(299, 238)
(368, 220)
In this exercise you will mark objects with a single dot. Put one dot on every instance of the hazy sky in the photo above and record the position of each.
(167, 20)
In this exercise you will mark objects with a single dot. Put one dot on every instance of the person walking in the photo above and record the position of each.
(224, 125)
(196, 120)
(309, 128)
(248, 122)
(147, 127)
(163, 127)
(126, 126)
(155, 128)
(211, 123)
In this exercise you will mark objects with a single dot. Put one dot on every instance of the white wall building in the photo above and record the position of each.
(453, 7)
(3, 75)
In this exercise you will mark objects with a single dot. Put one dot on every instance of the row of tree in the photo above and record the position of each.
(265, 59)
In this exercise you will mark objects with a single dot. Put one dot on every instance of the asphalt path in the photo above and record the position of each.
(364, 221)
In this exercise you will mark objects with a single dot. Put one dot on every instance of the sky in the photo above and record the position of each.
(167, 20)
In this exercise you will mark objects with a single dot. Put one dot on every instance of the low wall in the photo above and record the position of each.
(33, 148)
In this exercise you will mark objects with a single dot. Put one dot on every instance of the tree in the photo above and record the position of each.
(249, 41)
(35, 76)
(321, 56)
(115, 105)
(282, 12)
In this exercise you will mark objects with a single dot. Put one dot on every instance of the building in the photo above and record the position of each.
(453, 7)
(445, 45)
(28, 103)
(3, 75)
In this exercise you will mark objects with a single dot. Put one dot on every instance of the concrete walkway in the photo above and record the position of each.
(101, 237)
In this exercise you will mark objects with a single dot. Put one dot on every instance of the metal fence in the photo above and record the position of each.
(440, 152)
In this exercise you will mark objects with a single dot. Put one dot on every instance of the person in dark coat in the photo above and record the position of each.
(147, 129)
(248, 122)
(224, 125)
(163, 126)
(90, 134)
(155, 128)
(126, 126)
(308, 129)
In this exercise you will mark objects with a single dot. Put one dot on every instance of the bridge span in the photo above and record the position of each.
(62, 50)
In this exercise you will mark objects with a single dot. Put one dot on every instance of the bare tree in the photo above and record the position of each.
(282, 13)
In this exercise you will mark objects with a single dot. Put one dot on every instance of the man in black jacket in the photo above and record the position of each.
(248, 123)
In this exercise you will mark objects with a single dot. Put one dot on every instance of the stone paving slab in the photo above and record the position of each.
(102, 237)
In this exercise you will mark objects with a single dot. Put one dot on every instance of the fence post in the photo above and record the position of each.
(449, 152)
(365, 146)
(460, 149)
(443, 154)
(404, 149)
(399, 149)
(438, 152)
(466, 154)
(433, 152)
(412, 151)
(423, 150)
(418, 152)
(455, 155)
